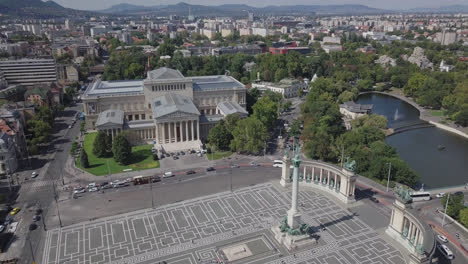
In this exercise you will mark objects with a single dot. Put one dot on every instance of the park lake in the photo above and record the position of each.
(422, 148)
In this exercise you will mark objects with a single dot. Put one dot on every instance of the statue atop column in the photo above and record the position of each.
(292, 230)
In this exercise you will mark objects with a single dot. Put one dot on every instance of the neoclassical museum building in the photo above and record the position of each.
(166, 109)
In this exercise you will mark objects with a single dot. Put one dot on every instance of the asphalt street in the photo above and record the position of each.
(50, 167)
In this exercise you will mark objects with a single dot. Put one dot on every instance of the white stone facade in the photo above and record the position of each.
(166, 109)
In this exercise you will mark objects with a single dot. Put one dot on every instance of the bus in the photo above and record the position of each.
(420, 196)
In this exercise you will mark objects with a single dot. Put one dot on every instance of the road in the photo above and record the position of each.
(39, 191)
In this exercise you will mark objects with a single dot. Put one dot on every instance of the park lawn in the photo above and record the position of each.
(219, 155)
(142, 159)
(438, 112)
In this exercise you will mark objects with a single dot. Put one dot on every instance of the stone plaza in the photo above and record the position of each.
(228, 227)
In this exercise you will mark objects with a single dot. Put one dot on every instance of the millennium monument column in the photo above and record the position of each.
(293, 214)
(285, 170)
(292, 233)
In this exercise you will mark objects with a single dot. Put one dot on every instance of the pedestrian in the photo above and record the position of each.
(295, 256)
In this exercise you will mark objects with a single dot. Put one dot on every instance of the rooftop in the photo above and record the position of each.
(103, 88)
(171, 103)
(356, 108)
(231, 108)
(114, 117)
(215, 82)
(165, 73)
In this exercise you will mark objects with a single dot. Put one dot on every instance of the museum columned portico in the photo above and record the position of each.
(179, 131)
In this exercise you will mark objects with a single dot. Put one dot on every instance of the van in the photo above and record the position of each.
(445, 251)
(168, 174)
(277, 164)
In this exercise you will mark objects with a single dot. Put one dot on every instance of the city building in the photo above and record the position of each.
(286, 50)
(28, 72)
(8, 160)
(352, 110)
(286, 87)
(246, 49)
(167, 109)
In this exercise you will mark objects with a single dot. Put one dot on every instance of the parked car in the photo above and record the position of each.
(168, 174)
(156, 178)
(253, 163)
(32, 227)
(15, 211)
(70, 126)
(182, 153)
(34, 174)
(79, 191)
(2, 228)
(440, 195)
(36, 218)
(103, 184)
(93, 189)
(175, 158)
(191, 172)
(210, 169)
(91, 185)
(442, 238)
(234, 165)
(38, 211)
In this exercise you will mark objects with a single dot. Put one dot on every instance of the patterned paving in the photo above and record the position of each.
(195, 231)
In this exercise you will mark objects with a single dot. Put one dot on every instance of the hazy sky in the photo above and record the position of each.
(386, 4)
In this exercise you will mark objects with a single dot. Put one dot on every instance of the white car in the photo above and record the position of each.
(442, 238)
(79, 191)
(445, 251)
(91, 185)
(93, 189)
(2, 227)
(440, 195)
(168, 174)
(34, 174)
(70, 126)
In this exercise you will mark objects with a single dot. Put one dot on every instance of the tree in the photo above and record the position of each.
(220, 137)
(100, 145)
(122, 149)
(230, 122)
(84, 159)
(166, 49)
(455, 204)
(280, 74)
(373, 120)
(295, 128)
(266, 111)
(250, 135)
(461, 117)
(464, 216)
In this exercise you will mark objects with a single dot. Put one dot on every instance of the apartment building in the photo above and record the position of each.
(28, 72)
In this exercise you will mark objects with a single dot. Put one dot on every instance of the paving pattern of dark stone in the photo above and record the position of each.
(194, 231)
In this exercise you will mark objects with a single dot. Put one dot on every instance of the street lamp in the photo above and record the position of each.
(445, 212)
(151, 189)
(56, 202)
(31, 248)
(389, 168)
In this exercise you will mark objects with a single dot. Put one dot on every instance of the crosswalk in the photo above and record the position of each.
(36, 185)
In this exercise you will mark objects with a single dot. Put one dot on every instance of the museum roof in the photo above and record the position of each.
(164, 73)
(115, 117)
(228, 108)
(171, 103)
(108, 88)
(216, 82)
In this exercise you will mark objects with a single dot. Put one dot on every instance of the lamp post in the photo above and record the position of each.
(56, 203)
(32, 251)
(445, 212)
(151, 190)
(389, 169)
